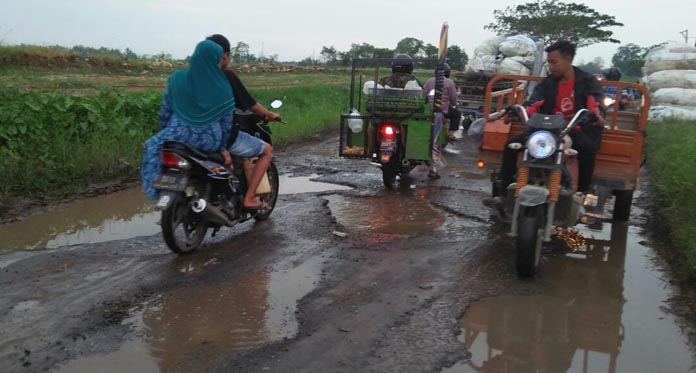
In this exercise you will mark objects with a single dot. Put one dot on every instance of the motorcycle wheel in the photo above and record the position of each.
(529, 223)
(622, 204)
(270, 199)
(183, 230)
(389, 171)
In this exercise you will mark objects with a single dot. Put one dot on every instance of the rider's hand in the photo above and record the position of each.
(600, 122)
(227, 156)
(271, 116)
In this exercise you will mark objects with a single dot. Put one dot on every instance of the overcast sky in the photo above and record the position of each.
(298, 29)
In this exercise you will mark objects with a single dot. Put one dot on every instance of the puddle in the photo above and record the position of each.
(304, 184)
(194, 324)
(604, 313)
(116, 216)
(405, 213)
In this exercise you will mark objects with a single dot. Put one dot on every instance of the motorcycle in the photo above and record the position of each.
(197, 191)
(543, 195)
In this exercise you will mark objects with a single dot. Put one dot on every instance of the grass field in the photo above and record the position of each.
(672, 164)
(63, 128)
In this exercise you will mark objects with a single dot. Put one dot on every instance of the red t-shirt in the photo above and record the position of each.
(565, 102)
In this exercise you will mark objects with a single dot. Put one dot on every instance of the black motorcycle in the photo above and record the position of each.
(543, 195)
(198, 192)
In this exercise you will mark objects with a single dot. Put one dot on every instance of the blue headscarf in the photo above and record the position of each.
(201, 95)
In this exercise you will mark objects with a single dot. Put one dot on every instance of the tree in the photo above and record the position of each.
(594, 67)
(629, 58)
(240, 53)
(456, 57)
(554, 21)
(329, 55)
(411, 46)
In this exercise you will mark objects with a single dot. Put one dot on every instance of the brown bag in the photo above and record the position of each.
(264, 185)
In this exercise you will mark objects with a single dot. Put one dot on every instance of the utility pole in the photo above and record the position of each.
(685, 34)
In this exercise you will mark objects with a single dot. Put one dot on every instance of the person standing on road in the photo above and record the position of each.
(449, 102)
(565, 90)
(197, 109)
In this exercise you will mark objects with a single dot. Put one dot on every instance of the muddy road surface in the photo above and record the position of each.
(344, 277)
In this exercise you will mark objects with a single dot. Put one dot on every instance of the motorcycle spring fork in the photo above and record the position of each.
(522, 180)
(554, 185)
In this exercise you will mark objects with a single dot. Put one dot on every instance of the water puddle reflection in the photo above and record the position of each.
(116, 216)
(405, 213)
(305, 184)
(195, 324)
(603, 314)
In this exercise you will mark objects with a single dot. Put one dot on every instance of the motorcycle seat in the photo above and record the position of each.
(186, 149)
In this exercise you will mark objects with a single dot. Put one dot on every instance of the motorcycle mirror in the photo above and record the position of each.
(276, 104)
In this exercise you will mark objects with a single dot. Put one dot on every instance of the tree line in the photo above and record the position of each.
(416, 48)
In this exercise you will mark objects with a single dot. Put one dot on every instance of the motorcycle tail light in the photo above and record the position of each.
(388, 132)
(173, 160)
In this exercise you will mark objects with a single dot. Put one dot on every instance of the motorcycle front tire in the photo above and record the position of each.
(529, 223)
(270, 199)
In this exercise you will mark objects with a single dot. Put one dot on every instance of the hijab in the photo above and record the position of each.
(201, 94)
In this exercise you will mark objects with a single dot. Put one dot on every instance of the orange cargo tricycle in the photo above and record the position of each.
(545, 194)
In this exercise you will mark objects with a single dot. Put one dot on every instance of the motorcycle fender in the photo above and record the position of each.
(166, 199)
(531, 195)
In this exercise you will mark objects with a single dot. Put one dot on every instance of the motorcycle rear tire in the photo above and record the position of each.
(529, 223)
(179, 216)
(270, 199)
(389, 172)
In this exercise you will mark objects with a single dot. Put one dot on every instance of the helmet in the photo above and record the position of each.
(612, 73)
(447, 70)
(402, 63)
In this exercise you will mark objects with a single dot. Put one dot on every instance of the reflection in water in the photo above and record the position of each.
(405, 213)
(293, 185)
(115, 216)
(598, 318)
(196, 324)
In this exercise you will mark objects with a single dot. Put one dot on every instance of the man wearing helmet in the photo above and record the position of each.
(449, 102)
(626, 99)
(402, 67)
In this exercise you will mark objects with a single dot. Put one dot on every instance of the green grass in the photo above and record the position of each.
(54, 143)
(672, 164)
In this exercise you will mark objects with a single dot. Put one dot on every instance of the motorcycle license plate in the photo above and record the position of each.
(387, 146)
(170, 182)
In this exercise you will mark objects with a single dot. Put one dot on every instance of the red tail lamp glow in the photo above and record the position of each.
(388, 132)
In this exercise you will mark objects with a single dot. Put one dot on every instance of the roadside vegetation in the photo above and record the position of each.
(66, 124)
(672, 163)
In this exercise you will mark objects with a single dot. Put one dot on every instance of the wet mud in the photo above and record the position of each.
(345, 276)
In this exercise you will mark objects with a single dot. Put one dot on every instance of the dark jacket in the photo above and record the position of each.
(585, 84)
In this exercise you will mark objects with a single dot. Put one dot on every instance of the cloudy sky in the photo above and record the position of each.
(296, 29)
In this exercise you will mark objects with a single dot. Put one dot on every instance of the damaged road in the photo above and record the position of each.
(344, 276)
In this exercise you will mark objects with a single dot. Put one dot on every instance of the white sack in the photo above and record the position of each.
(671, 79)
(661, 112)
(674, 96)
(517, 45)
(489, 47)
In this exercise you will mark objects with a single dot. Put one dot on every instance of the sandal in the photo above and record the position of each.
(433, 175)
(258, 206)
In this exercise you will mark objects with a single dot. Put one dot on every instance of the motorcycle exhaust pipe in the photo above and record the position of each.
(210, 212)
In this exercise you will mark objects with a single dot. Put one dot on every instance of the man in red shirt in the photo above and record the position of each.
(566, 90)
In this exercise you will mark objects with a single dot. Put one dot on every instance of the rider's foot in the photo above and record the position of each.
(433, 175)
(253, 204)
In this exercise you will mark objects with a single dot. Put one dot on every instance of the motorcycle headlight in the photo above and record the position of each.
(608, 101)
(542, 144)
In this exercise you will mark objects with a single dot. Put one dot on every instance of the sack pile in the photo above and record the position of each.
(669, 74)
(503, 55)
